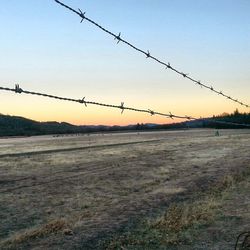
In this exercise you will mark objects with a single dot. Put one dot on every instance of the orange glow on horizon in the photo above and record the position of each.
(44, 109)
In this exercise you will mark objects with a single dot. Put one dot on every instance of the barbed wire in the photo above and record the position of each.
(122, 107)
(148, 55)
(212, 120)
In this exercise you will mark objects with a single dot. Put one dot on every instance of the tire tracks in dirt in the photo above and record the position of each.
(31, 153)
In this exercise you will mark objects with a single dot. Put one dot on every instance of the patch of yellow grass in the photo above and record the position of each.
(183, 215)
(54, 226)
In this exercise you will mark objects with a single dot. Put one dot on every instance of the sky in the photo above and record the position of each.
(45, 48)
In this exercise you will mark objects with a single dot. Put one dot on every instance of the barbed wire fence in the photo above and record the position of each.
(118, 38)
(121, 107)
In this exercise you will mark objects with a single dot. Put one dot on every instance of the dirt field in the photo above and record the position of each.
(70, 192)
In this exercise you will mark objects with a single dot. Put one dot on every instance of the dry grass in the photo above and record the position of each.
(52, 227)
(231, 179)
(181, 216)
(101, 190)
(180, 222)
(168, 229)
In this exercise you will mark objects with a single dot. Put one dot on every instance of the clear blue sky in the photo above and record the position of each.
(44, 48)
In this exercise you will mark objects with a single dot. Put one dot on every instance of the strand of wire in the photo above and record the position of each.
(19, 90)
(148, 55)
(211, 120)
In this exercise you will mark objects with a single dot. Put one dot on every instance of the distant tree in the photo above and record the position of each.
(236, 112)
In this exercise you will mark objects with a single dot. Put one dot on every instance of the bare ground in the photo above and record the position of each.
(70, 192)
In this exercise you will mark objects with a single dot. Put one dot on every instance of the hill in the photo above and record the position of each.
(20, 126)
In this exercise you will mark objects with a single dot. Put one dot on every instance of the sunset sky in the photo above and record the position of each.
(45, 48)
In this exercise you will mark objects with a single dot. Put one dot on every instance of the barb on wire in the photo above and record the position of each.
(122, 107)
(147, 53)
(118, 38)
(151, 112)
(168, 66)
(19, 90)
(82, 101)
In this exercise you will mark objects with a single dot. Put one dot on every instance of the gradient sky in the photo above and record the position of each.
(45, 48)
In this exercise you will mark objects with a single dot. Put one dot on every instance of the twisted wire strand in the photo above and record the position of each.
(148, 55)
(19, 90)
